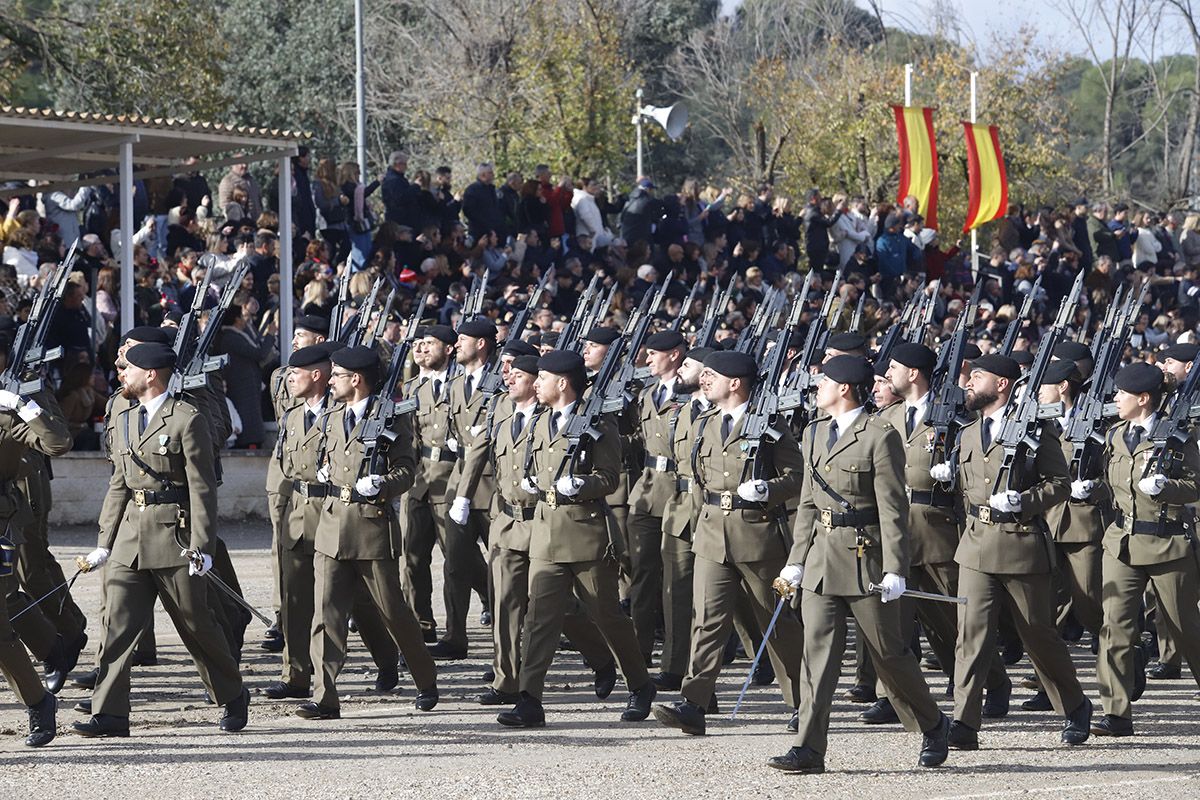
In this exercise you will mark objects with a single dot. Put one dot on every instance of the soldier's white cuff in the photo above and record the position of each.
(29, 411)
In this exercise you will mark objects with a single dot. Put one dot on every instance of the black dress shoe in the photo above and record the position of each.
(317, 711)
(935, 744)
(489, 675)
(237, 711)
(684, 715)
(427, 699)
(280, 690)
(352, 625)
(429, 634)
(102, 726)
(713, 708)
(793, 725)
(42, 724)
(387, 679)
(881, 712)
(996, 704)
(491, 697)
(527, 713)
(605, 681)
(668, 681)
(1110, 725)
(764, 673)
(63, 659)
(485, 618)
(638, 707)
(1079, 724)
(88, 679)
(272, 645)
(1163, 672)
(273, 632)
(861, 693)
(962, 737)
(1039, 702)
(801, 760)
(446, 651)
(84, 706)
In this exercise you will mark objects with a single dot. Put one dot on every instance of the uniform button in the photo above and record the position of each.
(726, 474)
(985, 459)
(987, 480)
(142, 472)
(827, 468)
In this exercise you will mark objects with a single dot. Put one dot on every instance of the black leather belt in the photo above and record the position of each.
(438, 454)
(151, 497)
(848, 519)
(938, 499)
(306, 489)
(661, 463)
(347, 494)
(728, 501)
(990, 516)
(683, 485)
(524, 513)
(1164, 529)
(554, 499)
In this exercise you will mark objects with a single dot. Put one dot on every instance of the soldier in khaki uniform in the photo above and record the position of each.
(851, 531)
(1151, 542)
(740, 540)
(570, 547)
(161, 498)
(357, 540)
(1005, 554)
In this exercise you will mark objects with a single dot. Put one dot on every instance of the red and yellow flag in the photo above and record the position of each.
(985, 175)
(918, 159)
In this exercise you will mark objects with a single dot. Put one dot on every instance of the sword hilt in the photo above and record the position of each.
(783, 588)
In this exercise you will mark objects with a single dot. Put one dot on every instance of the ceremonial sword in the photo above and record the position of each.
(913, 593)
(195, 557)
(785, 592)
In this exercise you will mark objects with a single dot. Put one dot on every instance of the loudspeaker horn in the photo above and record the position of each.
(673, 118)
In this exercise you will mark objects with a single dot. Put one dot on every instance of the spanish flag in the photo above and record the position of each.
(985, 175)
(918, 160)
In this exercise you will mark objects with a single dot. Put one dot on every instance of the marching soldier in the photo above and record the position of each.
(356, 541)
(161, 497)
(739, 540)
(854, 482)
(1151, 542)
(1005, 552)
(570, 546)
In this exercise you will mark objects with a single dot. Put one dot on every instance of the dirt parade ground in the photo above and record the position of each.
(383, 747)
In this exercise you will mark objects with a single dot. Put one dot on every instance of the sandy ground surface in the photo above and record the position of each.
(382, 746)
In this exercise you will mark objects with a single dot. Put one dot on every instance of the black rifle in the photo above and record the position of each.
(473, 306)
(697, 288)
(337, 317)
(1021, 432)
(192, 361)
(491, 382)
(919, 324)
(707, 335)
(947, 414)
(856, 317)
(28, 354)
(1014, 327)
(362, 323)
(898, 331)
(574, 327)
(618, 393)
(751, 335)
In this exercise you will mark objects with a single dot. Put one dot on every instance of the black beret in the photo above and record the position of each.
(796, 341)
(600, 335)
(1024, 358)
(971, 352)
(1072, 350)
(726, 344)
(314, 323)
(1182, 352)
(998, 365)
(443, 333)
(518, 347)
(846, 341)
(152, 355)
(356, 359)
(175, 315)
(307, 356)
(1139, 377)
(561, 362)
(880, 371)
(732, 364)
(849, 369)
(1058, 371)
(665, 340)
(478, 329)
(549, 339)
(698, 354)
(526, 363)
(150, 333)
(916, 356)
(332, 346)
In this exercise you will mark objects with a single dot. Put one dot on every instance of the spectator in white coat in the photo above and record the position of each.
(588, 221)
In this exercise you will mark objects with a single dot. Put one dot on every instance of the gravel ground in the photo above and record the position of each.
(383, 746)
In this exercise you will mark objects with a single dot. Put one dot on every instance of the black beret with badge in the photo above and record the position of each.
(998, 365)
(561, 362)
(356, 359)
(732, 364)
(665, 340)
(443, 333)
(314, 323)
(849, 369)
(600, 335)
(478, 329)
(147, 334)
(307, 356)
(526, 363)
(151, 355)
(914, 356)
(1139, 378)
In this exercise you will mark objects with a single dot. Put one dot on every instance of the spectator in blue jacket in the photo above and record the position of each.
(895, 254)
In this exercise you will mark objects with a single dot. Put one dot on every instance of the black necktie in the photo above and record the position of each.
(910, 421)
(437, 387)
(349, 423)
(696, 409)
(658, 396)
(518, 424)
(726, 425)
(987, 432)
(1133, 437)
(833, 435)
(554, 423)
(468, 387)
(308, 420)
(143, 419)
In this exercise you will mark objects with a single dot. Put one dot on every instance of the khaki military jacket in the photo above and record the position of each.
(468, 422)
(866, 467)
(682, 508)
(742, 535)
(508, 455)
(299, 451)
(176, 450)
(655, 485)
(281, 401)
(20, 443)
(431, 426)
(1081, 521)
(1012, 548)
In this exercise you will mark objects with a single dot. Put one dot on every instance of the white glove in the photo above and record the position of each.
(197, 569)
(793, 574)
(459, 510)
(568, 486)
(9, 401)
(368, 485)
(753, 491)
(1081, 490)
(527, 485)
(941, 472)
(1152, 485)
(97, 557)
(893, 586)
(1009, 501)
(452, 444)
(323, 474)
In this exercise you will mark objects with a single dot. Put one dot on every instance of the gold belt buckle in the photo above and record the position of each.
(1128, 524)
(727, 501)
(435, 453)
(552, 499)
(985, 514)
(827, 517)
(139, 498)
(346, 494)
